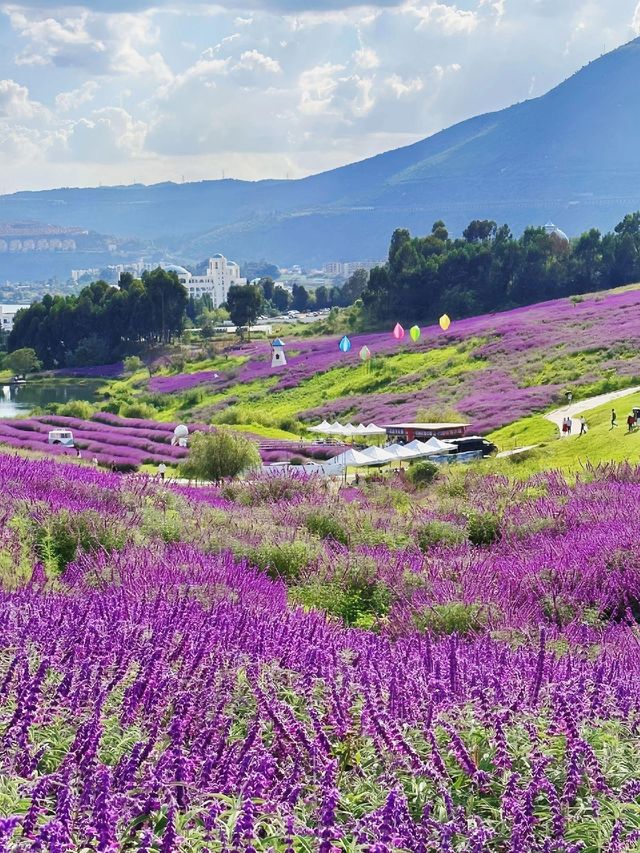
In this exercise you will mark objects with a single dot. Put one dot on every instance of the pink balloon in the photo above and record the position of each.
(398, 332)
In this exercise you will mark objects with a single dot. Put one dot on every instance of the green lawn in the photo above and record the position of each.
(600, 445)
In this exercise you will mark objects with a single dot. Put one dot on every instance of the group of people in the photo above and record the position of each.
(632, 420)
(567, 426)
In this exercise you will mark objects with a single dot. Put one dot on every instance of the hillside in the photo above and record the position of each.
(493, 369)
(568, 156)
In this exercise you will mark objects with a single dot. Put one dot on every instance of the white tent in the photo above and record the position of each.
(440, 446)
(361, 429)
(372, 429)
(377, 454)
(421, 448)
(401, 451)
(351, 459)
(321, 428)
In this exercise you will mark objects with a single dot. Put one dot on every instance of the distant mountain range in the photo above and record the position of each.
(570, 156)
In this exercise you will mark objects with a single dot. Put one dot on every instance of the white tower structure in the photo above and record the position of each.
(277, 354)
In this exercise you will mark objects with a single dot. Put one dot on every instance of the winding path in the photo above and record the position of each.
(573, 410)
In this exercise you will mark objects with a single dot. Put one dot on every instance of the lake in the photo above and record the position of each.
(20, 400)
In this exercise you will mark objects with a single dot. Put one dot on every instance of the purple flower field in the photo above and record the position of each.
(511, 349)
(277, 667)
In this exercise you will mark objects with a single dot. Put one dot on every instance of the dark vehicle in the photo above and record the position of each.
(473, 442)
(636, 413)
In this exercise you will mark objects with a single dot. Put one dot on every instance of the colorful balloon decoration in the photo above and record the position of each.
(345, 344)
(415, 333)
(398, 332)
(365, 353)
(445, 322)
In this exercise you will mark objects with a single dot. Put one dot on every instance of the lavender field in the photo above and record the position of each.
(277, 666)
(494, 369)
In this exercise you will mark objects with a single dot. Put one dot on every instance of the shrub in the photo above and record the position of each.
(357, 606)
(80, 409)
(190, 398)
(326, 527)
(296, 460)
(483, 528)
(439, 533)
(422, 473)
(455, 617)
(132, 364)
(58, 539)
(214, 456)
(143, 411)
(285, 560)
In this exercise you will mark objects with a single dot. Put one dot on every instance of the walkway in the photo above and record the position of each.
(573, 410)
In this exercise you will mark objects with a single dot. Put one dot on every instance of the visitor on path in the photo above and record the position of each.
(94, 461)
(583, 426)
(565, 426)
(162, 470)
(631, 422)
(614, 421)
(569, 426)
(78, 454)
(569, 397)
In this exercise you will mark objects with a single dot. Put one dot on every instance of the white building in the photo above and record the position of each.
(8, 315)
(219, 277)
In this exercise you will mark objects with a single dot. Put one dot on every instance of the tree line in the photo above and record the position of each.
(102, 323)
(489, 269)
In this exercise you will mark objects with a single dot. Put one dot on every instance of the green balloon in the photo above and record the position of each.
(415, 333)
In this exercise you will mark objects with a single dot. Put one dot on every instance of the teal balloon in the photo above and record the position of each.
(345, 344)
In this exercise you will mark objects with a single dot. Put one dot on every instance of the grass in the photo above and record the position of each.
(570, 455)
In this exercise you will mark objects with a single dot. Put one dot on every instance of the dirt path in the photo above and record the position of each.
(573, 410)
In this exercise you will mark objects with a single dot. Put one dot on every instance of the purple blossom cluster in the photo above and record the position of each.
(510, 348)
(164, 697)
(106, 371)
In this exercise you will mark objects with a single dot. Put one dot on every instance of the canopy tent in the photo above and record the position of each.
(372, 429)
(352, 459)
(321, 428)
(422, 448)
(440, 446)
(377, 454)
(336, 428)
(401, 451)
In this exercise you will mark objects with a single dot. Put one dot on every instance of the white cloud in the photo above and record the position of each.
(401, 88)
(253, 60)
(66, 101)
(16, 103)
(366, 58)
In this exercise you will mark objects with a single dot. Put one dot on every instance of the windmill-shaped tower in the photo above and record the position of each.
(277, 354)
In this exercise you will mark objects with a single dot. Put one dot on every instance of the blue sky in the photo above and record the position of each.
(118, 91)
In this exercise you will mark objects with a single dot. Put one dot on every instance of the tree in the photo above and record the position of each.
(245, 302)
(300, 301)
(480, 230)
(168, 300)
(354, 287)
(216, 456)
(23, 361)
(133, 364)
(268, 286)
(281, 298)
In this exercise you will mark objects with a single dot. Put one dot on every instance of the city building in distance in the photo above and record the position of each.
(219, 277)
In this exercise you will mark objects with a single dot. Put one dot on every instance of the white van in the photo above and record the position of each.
(61, 436)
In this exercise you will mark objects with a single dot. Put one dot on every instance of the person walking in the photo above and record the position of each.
(583, 426)
(631, 422)
(614, 421)
(569, 426)
(94, 461)
(162, 470)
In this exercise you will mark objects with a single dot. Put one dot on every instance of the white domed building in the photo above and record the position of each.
(221, 274)
(555, 232)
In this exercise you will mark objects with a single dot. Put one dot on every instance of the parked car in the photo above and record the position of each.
(473, 442)
(61, 436)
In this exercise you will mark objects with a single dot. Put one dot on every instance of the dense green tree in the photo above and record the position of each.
(300, 298)
(245, 302)
(354, 287)
(218, 456)
(281, 298)
(22, 361)
(268, 286)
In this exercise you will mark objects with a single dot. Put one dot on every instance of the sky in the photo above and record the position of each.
(126, 91)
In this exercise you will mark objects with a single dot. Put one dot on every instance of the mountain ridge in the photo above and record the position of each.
(568, 155)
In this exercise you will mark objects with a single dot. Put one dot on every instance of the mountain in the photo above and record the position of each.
(569, 156)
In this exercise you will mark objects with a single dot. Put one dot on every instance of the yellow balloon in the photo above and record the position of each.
(445, 322)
